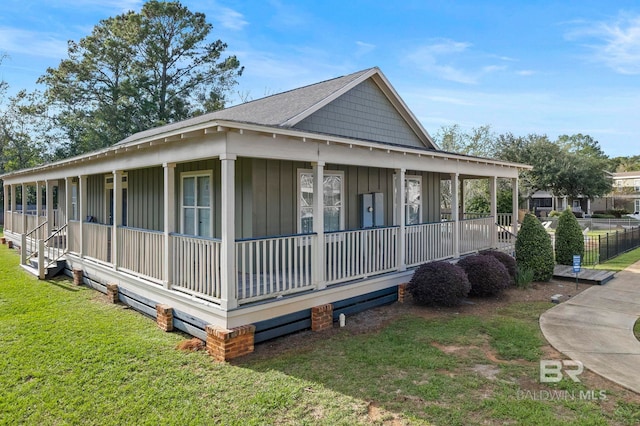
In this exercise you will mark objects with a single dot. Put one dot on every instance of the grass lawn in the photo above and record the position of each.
(67, 357)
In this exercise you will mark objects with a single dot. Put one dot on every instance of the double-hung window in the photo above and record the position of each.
(333, 193)
(196, 202)
(412, 199)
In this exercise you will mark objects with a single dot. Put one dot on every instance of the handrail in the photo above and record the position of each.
(55, 252)
(31, 242)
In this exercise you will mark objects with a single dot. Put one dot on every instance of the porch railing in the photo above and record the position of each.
(427, 242)
(269, 267)
(97, 241)
(17, 225)
(475, 234)
(196, 266)
(73, 236)
(357, 254)
(141, 252)
(55, 246)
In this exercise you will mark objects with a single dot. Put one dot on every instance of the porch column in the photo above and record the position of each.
(588, 205)
(68, 202)
(169, 220)
(49, 201)
(514, 206)
(400, 214)
(117, 217)
(82, 208)
(228, 274)
(24, 209)
(493, 209)
(317, 256)
(38, 202)
(5, 189)
(455, 185)
(14, 199)
(463, 208)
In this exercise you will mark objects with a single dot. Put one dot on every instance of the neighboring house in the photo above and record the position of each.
(625, 194)
(217, 218)
(543, 202)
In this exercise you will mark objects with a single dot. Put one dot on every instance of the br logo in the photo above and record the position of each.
(551, 370)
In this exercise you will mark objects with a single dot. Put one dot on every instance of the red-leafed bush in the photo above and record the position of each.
(486, 275)
(509, 262)
(439, 284)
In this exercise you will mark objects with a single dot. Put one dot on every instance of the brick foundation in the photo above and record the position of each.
(164, 317)
(322, 317)
(403, 294)
(3, 240)
(77, 276)
(112, 293)
(10, 244)
(223, 344)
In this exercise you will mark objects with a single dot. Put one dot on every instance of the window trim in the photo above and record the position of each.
(196, 174)
(108, 184)
(339, 173)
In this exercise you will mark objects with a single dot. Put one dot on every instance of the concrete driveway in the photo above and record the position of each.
(596, 328)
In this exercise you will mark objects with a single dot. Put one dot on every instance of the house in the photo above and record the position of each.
(213, 225)
(541, 203)
(625, 194)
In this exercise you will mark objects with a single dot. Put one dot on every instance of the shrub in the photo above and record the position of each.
(439, 284)
(524, 277)
(602, 216)
(534, 250)
(554, 213)
(487, 275)
(508, 261)
(569, 238)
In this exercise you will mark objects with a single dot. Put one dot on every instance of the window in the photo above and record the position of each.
(197, 195)
(636, 206)
(74, 201)
(108, 193)
(333, 189)
(636, 184)
(412, 199)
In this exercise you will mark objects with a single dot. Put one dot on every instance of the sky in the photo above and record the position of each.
(541, 66)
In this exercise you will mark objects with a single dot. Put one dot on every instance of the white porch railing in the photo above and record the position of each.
(73, 236)
(196, 266)
(32, 222)
(356, 254)
(97, 241)
(476, 234)
(504, 219)
(269, 267)
(141, 252)
(8, 216)
(427, 242)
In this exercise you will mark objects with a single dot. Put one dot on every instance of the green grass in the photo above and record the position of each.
(621, 262)
(67, 357)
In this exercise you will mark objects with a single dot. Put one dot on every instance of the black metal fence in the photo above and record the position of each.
(615, 243)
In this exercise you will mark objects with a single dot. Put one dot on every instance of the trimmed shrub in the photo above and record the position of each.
(439, 284)
(534, 250)
(508, 261)
(487, 275)
(569, 238)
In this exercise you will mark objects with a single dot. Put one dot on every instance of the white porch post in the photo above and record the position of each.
(228, 274)
(82, 208)
(493, 209)
(169, 220)
(317, 257)
(38, 202)
(5, 188)
(24, 209)
(455, 214)
(401, 218)
(463, 207)
(49, 201)
(14, 198)
(514, 206)
(68, 202)
(588, 205)
(117, 216)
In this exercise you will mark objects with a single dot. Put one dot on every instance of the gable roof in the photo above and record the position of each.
(289, 108)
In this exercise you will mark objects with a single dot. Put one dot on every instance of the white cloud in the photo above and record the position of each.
(430, 57)
(526, 73)
(364, 48)
(230, 18)
(32, 43)
(616, 44)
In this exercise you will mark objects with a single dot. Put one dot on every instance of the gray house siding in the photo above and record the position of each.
(95, 198)
(364, 112)
(145, 195)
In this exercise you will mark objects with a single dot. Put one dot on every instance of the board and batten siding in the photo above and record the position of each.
(364, 112)
(96, 198)
(145, 193)
(275, 194)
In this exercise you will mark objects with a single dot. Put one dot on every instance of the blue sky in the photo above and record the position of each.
(545, 67)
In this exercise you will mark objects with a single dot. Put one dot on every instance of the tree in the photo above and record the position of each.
(138, 70)
(569, 239)
(534, 251)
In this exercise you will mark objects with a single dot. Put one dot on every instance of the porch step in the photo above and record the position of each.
(51, 270)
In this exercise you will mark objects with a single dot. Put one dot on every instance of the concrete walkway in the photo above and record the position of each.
(596, 328)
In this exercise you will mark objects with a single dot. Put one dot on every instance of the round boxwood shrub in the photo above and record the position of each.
(508, 261)
(487, 275)
(439, 284)
(569, 238)
(534, 250)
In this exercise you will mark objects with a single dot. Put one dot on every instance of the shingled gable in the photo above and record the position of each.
(362, 105)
